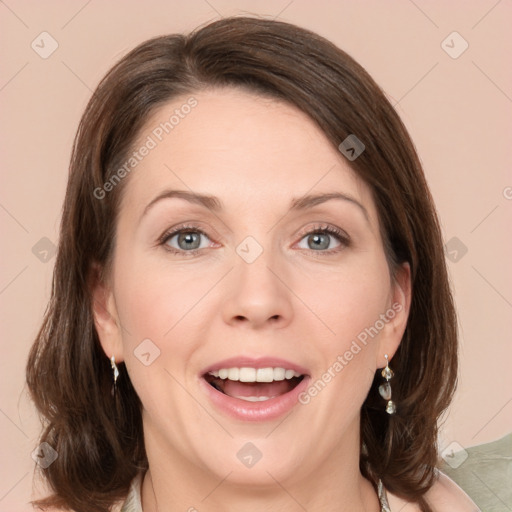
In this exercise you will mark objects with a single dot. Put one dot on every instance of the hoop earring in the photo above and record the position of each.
(116, 374)
(385, 389)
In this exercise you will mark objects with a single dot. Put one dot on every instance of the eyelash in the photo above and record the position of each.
(342, 237)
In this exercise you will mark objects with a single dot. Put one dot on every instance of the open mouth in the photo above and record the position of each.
(254, 385)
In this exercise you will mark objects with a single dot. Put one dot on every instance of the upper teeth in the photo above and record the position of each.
(255, 374)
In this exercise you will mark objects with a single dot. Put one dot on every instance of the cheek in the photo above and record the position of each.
(348, 300)
(163, 310)
(154, 298)
(158, 307)
(350, 303)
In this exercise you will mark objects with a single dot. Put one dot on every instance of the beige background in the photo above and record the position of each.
(458, 111)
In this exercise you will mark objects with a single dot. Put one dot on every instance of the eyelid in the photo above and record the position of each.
(329, 228)
(176, 229)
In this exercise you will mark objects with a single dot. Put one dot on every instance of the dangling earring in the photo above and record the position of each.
(385, 389)
(116, 374)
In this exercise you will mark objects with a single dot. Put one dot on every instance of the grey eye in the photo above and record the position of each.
(188, 240)
(319, 241)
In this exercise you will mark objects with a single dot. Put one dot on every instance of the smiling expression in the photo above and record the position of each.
(247, 248)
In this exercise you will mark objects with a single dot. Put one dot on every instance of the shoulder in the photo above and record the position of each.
(444, 496)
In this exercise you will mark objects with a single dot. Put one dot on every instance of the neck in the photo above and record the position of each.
(335, 484)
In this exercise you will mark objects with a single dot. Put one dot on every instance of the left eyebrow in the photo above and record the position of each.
(311, 200)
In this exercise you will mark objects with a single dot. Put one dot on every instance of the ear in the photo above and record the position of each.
(397, 313)
(106, 319)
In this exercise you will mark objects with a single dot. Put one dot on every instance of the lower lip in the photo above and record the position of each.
(256, 411)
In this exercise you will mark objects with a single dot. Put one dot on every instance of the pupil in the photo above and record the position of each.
(319, 241)
(189, 240)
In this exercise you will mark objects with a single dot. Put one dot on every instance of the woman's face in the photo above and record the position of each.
(244, 240)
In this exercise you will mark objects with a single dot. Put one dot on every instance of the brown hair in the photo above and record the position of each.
(101, 447)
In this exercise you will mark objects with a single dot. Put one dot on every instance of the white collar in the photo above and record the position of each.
(133, 501)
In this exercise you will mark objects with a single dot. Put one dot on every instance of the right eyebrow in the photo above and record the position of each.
(210, 202)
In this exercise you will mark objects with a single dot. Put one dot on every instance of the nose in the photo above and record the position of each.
(258, 296)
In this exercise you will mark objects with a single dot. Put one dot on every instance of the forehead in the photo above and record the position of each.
(243, 148)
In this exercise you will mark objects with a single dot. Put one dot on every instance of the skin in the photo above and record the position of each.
(255, 155)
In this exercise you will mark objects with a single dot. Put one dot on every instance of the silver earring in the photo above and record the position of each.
(116, 373)
(385, 389)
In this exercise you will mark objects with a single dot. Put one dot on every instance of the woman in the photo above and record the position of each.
(250, 308)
